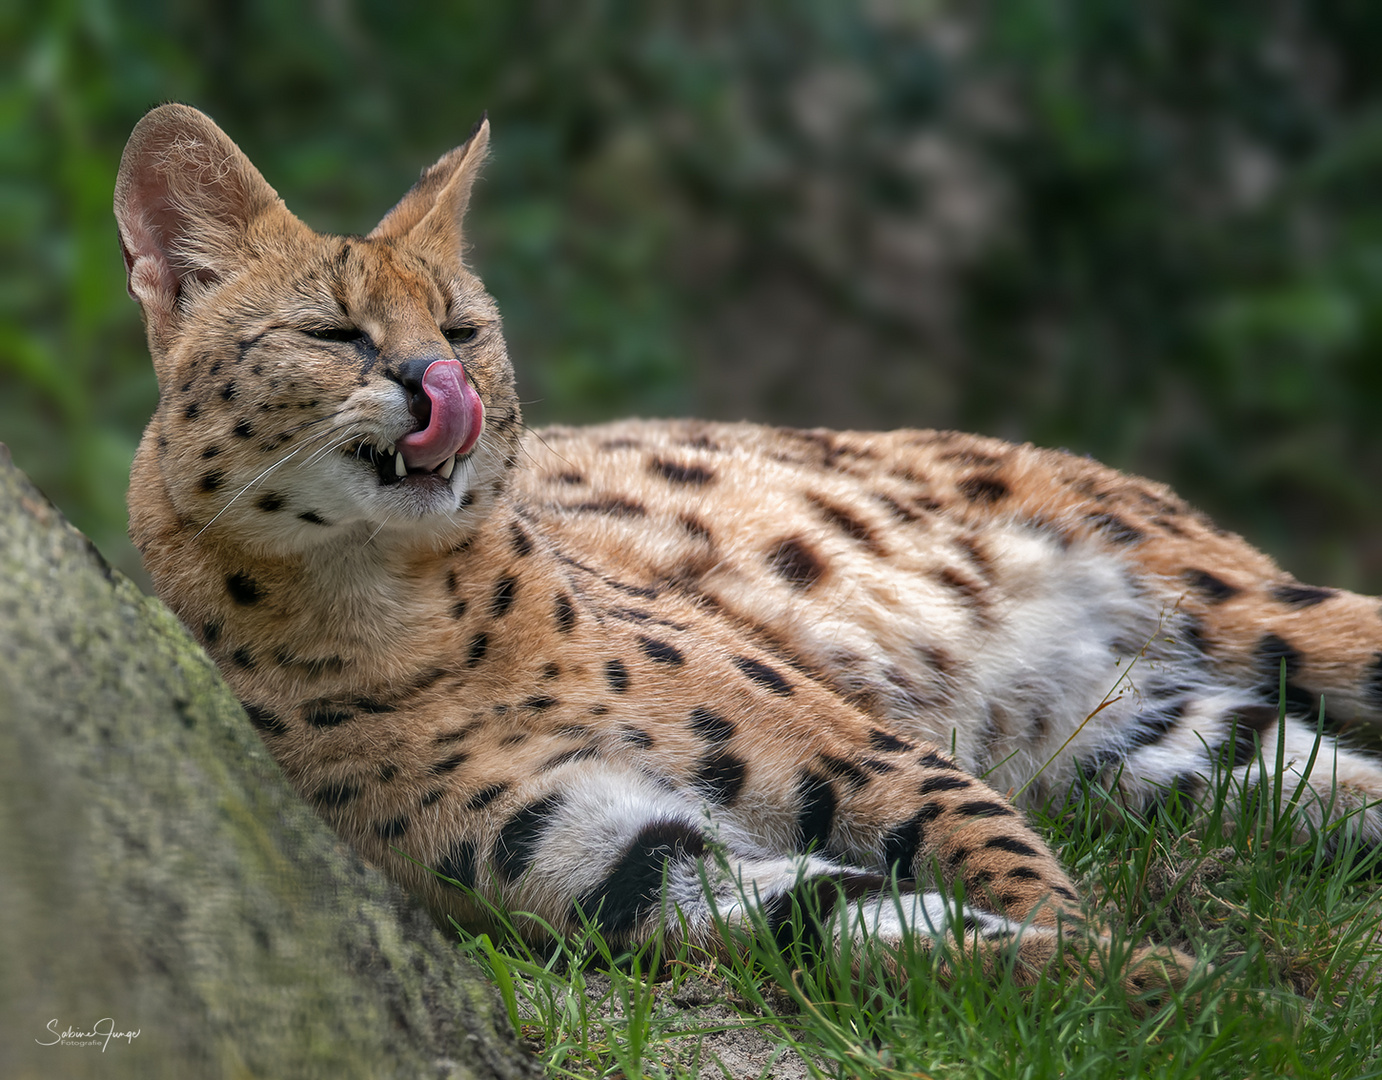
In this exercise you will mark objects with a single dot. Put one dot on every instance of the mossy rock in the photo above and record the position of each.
(157, 870)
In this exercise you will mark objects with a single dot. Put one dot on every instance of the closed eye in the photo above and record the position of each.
(459, 335)
(335, 333)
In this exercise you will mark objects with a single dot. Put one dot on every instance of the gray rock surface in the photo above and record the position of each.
(156, 870)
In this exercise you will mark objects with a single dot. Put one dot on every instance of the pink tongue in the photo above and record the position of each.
(456, 419)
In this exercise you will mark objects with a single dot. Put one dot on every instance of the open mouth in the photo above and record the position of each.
(450, 416)
(389, 466)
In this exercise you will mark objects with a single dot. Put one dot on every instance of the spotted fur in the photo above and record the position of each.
(596, 672)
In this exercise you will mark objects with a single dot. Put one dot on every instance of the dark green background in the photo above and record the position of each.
(1148, 231)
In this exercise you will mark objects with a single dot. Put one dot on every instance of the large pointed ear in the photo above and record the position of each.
(184, 197)
(430, 214)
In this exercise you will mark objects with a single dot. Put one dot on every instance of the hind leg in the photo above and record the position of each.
(610, 845)
(1221, 738)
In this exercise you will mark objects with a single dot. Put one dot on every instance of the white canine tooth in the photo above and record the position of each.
(398, 466)
(446, 468)
(390, 449)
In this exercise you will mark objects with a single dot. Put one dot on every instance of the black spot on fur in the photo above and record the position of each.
(932, 784)
(1012, 845)
(882, 740)
(269, 502)
(720, 777)
(479, 645)
(433, 796)
(1116, 529)
(614, 506)
(242, 657)
(710, 725)
(244, 430)
(565, 613)
(1372, 681)
(211, 630)
(264, 720)
(816, 816)
(446, 764)
(812, 902)
(571, 478)
(518, 840)
(681, 474)
(485, 796)
(895, 508)
(1023, 873)
(458, 609)
(392, 830)
(578, 753)
(696, 527)
(387, 772)
(521, 542)
(210, 481)
(1269, 652)
(539, 702)
(1301, 596)
(312, 518)
(1151, 727)
(983, 808)
(847, 523)
(551, 670)
(192, 411)
(632, 889)
(660, 651)
(794, 560)
(322, 714)
(1212, 589)
(901, 843)
(637, 737)
(210, 452)
(459, 865)
(970, 591)
(935, 761)
(764, 675)
(335, 796)
(228, 391)
(983, 489)
(242, 588)
(617, 675)
(841, 769)
(504, 592)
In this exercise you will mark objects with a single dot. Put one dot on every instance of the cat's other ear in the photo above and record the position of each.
(184, 198)
(430, 214)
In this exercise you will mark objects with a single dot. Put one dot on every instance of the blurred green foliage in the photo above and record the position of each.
(1149, 231)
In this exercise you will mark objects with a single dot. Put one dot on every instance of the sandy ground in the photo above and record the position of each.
(704, 1031)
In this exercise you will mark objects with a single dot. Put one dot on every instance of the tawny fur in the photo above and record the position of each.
(594, 661)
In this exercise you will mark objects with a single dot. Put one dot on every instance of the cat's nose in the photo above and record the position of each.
(409, 374)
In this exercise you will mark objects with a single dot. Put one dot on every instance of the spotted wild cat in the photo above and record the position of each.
(566, 667)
